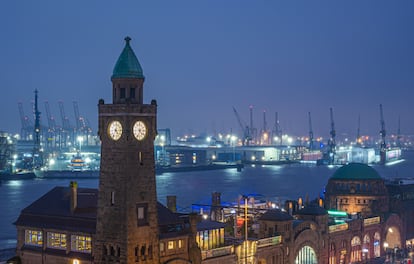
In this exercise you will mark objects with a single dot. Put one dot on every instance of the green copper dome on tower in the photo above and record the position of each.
(127, 65)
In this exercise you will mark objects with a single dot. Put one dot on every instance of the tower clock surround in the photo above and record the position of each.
(127, 220)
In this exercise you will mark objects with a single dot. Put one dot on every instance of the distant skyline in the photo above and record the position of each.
(201, 58)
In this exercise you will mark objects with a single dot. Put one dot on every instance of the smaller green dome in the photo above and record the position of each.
(356, 171)
(127, 65)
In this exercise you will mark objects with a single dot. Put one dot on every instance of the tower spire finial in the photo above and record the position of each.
(127, 39)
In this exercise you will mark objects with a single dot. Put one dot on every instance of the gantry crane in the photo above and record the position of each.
(27, 125)
(66, 129)
(245, 129)
(277, 131)
(83, 127)
(399, 133)
(265, 132)
(51, 131)
(252, 129)
(310, 132)
(331, 141)
(383, 133)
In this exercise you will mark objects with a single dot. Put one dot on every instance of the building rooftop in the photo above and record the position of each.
(356, 171)
(276, 215)
(127, 65)
(52, 210)
(312, 210)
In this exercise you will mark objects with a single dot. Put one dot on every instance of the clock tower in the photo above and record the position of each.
(127, 221)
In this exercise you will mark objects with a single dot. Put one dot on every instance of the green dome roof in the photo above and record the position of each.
(127, 65)
(356, 171)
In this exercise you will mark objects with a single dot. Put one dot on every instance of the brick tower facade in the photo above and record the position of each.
(127, 225)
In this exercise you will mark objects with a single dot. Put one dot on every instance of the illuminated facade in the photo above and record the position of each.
(357, 188)
(121, 222)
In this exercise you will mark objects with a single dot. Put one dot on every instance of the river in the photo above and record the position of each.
(272, 182)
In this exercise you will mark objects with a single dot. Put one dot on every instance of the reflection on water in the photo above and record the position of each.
(272, 182)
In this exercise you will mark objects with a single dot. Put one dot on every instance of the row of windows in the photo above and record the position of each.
(172, 244)
(59, 241)
(122, 94)
(359, 201)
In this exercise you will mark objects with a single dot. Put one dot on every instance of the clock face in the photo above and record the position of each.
(115, 130)
(139, 130)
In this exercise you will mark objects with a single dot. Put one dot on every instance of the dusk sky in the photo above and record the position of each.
(201, 58)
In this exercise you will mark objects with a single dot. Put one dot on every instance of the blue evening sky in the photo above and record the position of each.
(200, 58)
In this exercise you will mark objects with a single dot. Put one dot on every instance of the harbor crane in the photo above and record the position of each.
(399, 133)
(82, 125)
(252, 129)
(310, 132)
(383, 133)
(51, 131)
(331, 141)
(245, 129)
(65, 132)
(27, 125)
(265, 132)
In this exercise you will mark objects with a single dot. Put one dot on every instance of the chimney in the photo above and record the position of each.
(73, 196)
(215, 212)
(172, 203)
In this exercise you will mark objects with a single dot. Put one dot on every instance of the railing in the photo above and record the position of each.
(217, 252)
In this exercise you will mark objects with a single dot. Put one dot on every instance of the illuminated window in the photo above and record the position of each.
(76, 261)
(33, 237)
(180, 243)
(81, 243)
(170, 244)
(162, 247)
(56, 240)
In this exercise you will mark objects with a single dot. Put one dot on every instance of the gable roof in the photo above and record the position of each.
(52, 210)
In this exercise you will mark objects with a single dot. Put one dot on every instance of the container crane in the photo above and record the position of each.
(51, 137)
(331, 141)
(399, 133)
(277, 131)
(265, 133)
(27, 126)
(77, 117)
(65, 125)
(310, 132)
(245, 129)
(383, 133)
(252, 131)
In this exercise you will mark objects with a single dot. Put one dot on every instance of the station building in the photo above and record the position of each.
(363, 216)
